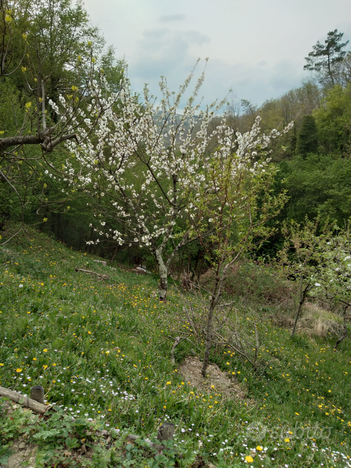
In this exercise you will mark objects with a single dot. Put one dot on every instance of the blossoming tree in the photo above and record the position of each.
(151, 168)
(142, 165)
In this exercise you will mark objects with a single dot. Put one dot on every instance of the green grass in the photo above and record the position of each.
(101, 351)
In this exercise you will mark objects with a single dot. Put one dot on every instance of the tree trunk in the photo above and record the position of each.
(163, 272)
(344, 333)
(302, 300)
(211, 309)
(114, 253)
(197, 260)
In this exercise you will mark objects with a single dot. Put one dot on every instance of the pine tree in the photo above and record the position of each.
(325, 58)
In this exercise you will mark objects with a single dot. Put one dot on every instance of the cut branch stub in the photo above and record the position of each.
(37, 393)
(165, 431)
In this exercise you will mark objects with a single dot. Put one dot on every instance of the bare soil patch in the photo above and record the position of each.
(216, 381)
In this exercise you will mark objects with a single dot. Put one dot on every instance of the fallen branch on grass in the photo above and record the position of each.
(24, 401)
(102, 277)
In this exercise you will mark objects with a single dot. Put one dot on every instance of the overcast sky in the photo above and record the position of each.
(255, 47)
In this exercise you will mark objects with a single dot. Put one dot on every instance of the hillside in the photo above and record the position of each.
(101, 345)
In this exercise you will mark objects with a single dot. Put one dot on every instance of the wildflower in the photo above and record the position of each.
(287, 440)
(259, 448)
(249, 459)
(18, 370)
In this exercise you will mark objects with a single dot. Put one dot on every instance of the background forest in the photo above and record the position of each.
(49, 48)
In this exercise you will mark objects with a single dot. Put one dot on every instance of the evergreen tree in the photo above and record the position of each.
(307, 140)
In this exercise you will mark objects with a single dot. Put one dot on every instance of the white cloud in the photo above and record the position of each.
(164, 52)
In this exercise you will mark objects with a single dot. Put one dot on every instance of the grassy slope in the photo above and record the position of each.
(100, 350)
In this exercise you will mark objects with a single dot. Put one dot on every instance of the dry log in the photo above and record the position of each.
(93, 273)
(24, 401)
